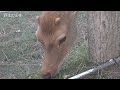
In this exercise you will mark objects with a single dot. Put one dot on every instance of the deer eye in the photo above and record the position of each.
(62, 40)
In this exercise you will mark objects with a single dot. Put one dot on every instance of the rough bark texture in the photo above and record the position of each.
(104, 35)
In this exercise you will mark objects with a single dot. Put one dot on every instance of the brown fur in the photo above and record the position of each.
(57, 32)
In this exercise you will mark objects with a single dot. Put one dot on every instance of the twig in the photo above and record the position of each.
(5, 55)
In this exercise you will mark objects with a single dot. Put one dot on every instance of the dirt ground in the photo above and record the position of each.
(21, 54)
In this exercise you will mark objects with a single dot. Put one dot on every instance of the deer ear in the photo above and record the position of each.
(73, 14)
(38, 19)
(57, 20)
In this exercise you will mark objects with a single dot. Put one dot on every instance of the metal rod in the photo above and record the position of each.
(109, 63)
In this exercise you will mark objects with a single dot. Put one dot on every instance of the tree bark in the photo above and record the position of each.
(103, 35)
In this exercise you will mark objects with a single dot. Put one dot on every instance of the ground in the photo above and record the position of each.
(21, 54)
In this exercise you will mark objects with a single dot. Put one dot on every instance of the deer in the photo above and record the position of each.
(57, 31)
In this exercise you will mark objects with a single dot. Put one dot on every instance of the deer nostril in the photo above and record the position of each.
(46, 76)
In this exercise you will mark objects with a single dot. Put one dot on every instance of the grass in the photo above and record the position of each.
(75, 62)
(18, 44)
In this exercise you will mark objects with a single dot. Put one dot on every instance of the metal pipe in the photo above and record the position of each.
(109, 63)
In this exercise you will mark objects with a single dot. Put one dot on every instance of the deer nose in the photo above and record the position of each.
(46, 76)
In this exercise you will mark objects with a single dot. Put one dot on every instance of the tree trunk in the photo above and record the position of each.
(103, 35)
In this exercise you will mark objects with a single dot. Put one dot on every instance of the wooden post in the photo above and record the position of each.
(103, 35)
